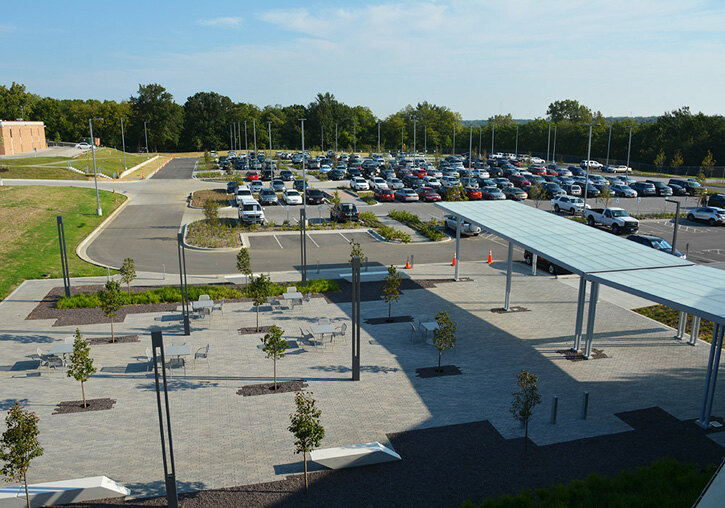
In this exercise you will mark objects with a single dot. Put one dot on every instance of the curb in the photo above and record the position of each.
(137, 166)
(81, 249)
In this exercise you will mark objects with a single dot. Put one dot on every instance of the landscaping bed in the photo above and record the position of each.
(670, 317)
(445, 370)
(574, 356)
(385, 320)
(97, 341)
(220, 196)
(76, 406)
(431, 229)
(268, 388)
(387, 232)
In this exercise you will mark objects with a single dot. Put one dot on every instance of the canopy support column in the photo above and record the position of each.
(509, 269)
(712, 368)
(457, 252)
(581, 302)
(593, 297)
(695, 332)
(681, 326)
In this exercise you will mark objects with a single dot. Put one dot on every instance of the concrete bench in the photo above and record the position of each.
(62, 492)
(354, 455)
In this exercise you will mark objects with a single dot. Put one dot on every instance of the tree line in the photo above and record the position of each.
(676, 138)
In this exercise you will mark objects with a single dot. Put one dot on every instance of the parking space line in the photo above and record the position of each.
(310, 237)
(278, 242)
(343, 237)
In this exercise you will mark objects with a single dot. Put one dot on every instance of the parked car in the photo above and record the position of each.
(717, 200)
(83, 145)
(592, 164)
(384, 195)
(552, 190)
(622, 191)
(492, 193)
(336, 174)
(256, 186)
(572, 189)
(467, 229)
(232, 187)
(395, 183)
(286, 175)
(615, 218)
(656, 243)
(267, 175)
(691, 186)
(502, 182)
(252, 175)
(428, 194)
(243, 192)
(292, 197)
(378, 183)
(250, 211)
(412, 181)
(544, 263)
(358, 183)
(268, 196)
(448, 181)
(278, 185)
(345, 212)
(406, 194)
(300, 185)
(712, 215)
(616, 168)
(568, 204)
(661, 188)
(644, 188)
(515, 193)
(473, 194)
(431, 181)
(314, 197)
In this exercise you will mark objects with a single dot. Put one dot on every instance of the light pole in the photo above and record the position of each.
(629, 148)
(677, 216)
(254, 129)
(304, 171)
(123, 140)
(335, 138)
(589, 155)
(425, 139)
(470, 150)
(95, 174)
(553, 150)
(609, 143)
(146, 137)
(322, 138)
(402, 129)
(269, 127)
(516, 150)
(246, 141)
(354, 136)
(414, 130)
(454, 139)
(378, 137)
(493, 135)
(480, 140)
(548, 144)
(231, 138)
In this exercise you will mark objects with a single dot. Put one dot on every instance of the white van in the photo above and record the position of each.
(251, 212)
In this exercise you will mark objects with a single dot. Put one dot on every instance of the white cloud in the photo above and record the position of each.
(222, 22)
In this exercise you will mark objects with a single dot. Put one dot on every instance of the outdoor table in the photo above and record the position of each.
(61, 349)
(429, 326)
(202, 305)
(321, 330)
(178, 351)
(294, 298)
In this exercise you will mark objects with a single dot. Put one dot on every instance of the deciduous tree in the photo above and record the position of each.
(526, 398)
(81, 364)
(19, 445)
(391, 288)
(274, 347)
(128, 274)
(244, 265)
(111, 301)
(305, 426)
(355, 251)
(444, 337)
(259, 289)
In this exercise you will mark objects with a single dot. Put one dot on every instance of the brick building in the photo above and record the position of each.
(18, 137)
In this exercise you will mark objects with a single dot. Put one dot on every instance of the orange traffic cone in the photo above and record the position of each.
(454, 259)
(141, 175)
(490, 256)
(407, 264)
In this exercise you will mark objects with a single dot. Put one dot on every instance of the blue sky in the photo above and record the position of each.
(477, 57)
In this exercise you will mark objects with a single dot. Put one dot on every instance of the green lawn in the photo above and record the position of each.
(40, 173)
(108, 161)
(671, 317)
(29, 235)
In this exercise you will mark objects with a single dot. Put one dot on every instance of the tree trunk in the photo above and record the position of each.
(83, 389)
(113, 337)
(526, 436)
(257, 317)
(440, 354)
(275, 374)
(129, 292)
(27, 496)
(304, 454)
(390, 304)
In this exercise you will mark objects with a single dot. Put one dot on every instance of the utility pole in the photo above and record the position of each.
(414, 130)
(95, 174)
(123, 140)
(246, 142)
(589, 156)
(553, 150)
(378, 137)
(516, 150)
(335, 138)
(548, 141)
(304, 171)
(254, 129)
(629, 148)
(146, 137)
(269, 127)
(493, 135)
(470, 150)
(609, 143)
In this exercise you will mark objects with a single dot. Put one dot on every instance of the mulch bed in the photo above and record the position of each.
(96, 341)
(385, 321)
(371, 290)
(493, 466)
(253, 329)
(76, 406)
(574, 356)
(268, 388)
(501, 310)
(445, 370)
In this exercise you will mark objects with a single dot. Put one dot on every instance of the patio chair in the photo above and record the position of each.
(306, 298)
(218, 306)
(308, 337)
(414, 330)
(291, 289)
(149, 359)
(204, 298)
(202, 354)
(176, 362)
(340, 332)
(323, 321)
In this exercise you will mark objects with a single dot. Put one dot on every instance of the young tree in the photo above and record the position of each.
(111, 301)
(259, 290)
(391, 288)
(355, 251)
(525, 399)
(207, 159)
(605, 195)
(19, 445)
(444, 337)
(538, 194)
(211, 212)
(81, 364)
(305, 426)
(274, 346)
(335, 200)
(128, 274)
(244, 264)
(660, 159)
(677, 160)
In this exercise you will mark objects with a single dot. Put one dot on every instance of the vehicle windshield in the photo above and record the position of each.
(293, 193)
(346, 207)
(620, 213)
(662, 244)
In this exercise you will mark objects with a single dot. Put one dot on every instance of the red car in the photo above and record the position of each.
(252, 175)
(474, 194)
(420, 173)
(384, 195)
(428, 194)
(538, 170)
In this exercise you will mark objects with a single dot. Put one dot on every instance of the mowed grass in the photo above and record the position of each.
(33, 172)
(29, 234)
(671, 317)
(108, 161)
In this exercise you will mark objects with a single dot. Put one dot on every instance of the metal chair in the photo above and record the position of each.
(340, 332)
(204, 298)
(218, 306)
(203, 354)
(149, 359)
(323, 321)
(306, 298)
(414, 331)
(175, 362)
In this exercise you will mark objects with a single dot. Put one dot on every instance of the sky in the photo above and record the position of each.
(477, 57)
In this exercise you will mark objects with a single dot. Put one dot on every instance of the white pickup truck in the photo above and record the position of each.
(615, 218)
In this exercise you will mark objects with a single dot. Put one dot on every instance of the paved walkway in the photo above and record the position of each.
(222, 439)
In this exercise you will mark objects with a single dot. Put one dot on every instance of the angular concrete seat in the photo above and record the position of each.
(62, 492)
(354, 455)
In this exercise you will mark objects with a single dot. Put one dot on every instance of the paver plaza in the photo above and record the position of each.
(222, 439)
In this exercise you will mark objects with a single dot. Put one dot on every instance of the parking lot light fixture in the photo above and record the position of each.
(553, 150)
(354, 136)
(304, 171)
(254, 129)
(516, 150)
(425, 139)
(609, 144)
(454, 139)
(146, 137)
(246, 141)
(470, 151)
(269, 127)
(629, 149)
(677, 216)
(589, 155)
(335, 138)
(493, 134)
(95, 172)
(123, 141)
(414, 129)
(378, 136)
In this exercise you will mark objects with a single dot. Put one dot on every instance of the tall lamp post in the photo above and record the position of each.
(553, 150)
(123, 141)
(425, 139)
(335, 139)
(378, 137)
(95, 173)
(589, 156)
(304, 170)
(269, 130)
(414, 130)
(516, 150)
(629, 148)
(454, 139)
(354, 136)
(146, 137)
(609, 143)
(493, 135)
(254, 129)
(548, 144)
(246, 140)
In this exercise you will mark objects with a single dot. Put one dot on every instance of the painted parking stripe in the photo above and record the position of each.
(343, 237)
(277, 240)
(310, 237)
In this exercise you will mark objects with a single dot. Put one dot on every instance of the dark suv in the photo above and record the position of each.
(691, 187)
(345, 212)
(644, 188)
(717, 200)
(661, 188)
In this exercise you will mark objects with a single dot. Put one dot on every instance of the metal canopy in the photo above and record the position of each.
(698, 290)
(571, 245)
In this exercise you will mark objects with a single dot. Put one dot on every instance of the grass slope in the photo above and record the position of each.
(29, 234)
